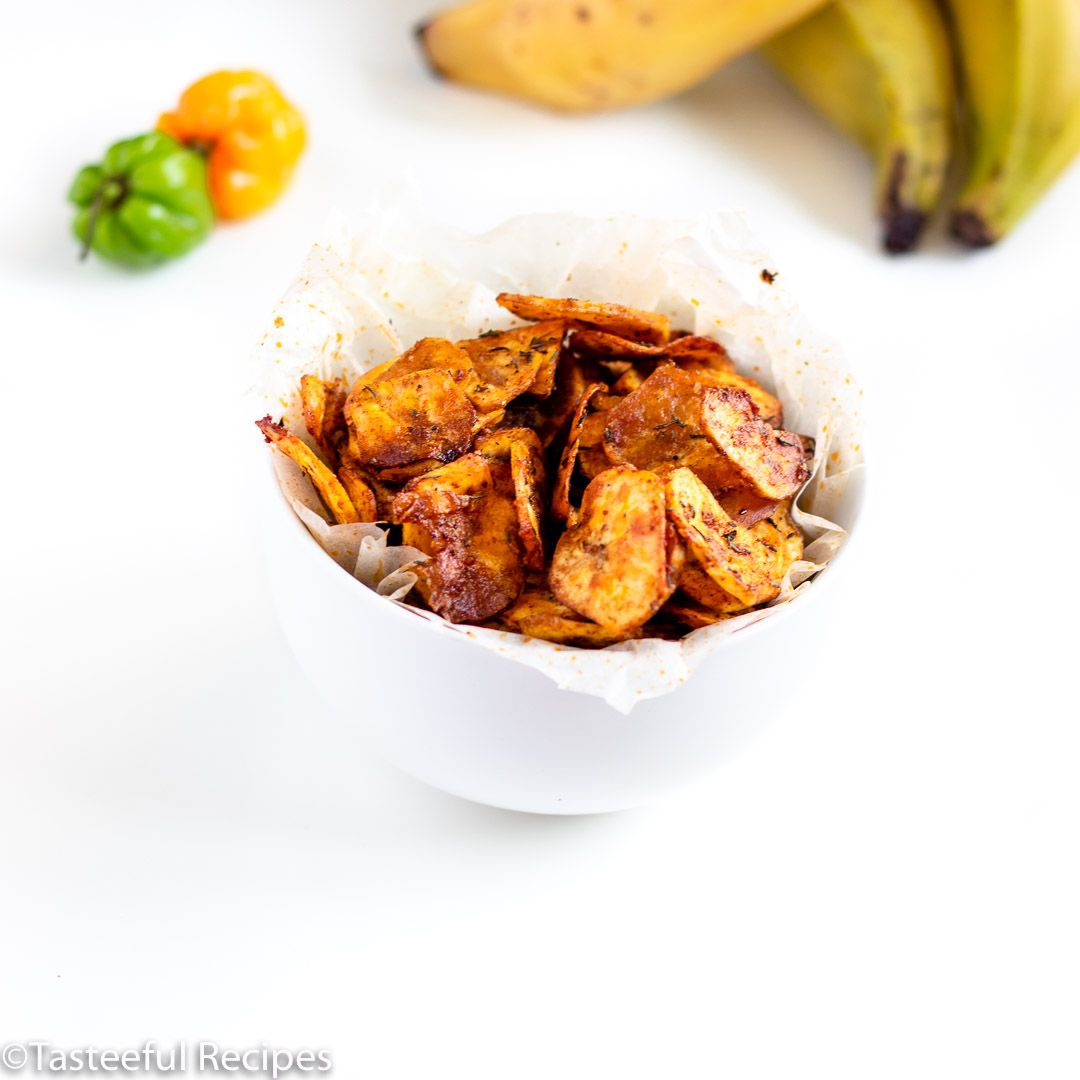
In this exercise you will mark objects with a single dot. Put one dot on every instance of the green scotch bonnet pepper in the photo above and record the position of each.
(145, 203)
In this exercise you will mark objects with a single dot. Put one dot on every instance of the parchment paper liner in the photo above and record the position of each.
(376, 285)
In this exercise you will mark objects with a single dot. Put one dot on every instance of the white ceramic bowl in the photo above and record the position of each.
(475, 724)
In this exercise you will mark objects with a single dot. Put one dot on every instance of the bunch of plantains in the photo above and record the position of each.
(883, 71)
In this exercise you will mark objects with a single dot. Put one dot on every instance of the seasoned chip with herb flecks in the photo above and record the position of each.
(431, 354)
(732, 556)
(769, 407)
(511, 362)
(405, 418)
(658, 426)
(611, 565)
(463, 517)
(770, 461)
(780, 535)
(329, 487)
(632, 323)
(701, 588)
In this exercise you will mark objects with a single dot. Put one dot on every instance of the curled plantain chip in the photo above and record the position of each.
(701, 353)
(771, 462)
(529, 474)
(324, 413)
(732, 556)
(602, 343)
(611, 565)
(329, 487)
(626, 322)
(560, 498)
(463, 517)
(361, 494)
(510, 363)
(496, 445)
(658, 426)
(686, 351)
(405, 418)
(538, 614)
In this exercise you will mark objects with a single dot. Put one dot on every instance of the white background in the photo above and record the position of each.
(192, 847)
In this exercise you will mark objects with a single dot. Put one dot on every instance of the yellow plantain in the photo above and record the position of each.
(1021, 70)
(587, 55)
(881, 71)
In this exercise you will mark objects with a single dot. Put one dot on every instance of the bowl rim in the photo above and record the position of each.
(406, 611)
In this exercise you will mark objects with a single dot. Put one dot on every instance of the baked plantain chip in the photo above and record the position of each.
(400, 474)
(329, 487)
(658, 426)
(700, 352)
(604, 344)
(701, 588)
(529, 475)
(732, 556)
(691, 613)
(366, 378)
(769, 407)
(550, 418)
(611, 565)
(497, 444)
(560, 497)
(538, 614)
(592, 428)
(431, 354)
(509, 363)
(592, 461)
(686, 351)
(626, 322)
(770, 461)
(463, 517)
(361, 494)
(324, 413)
(779, 534)
(745, 507)
(404, 418)
(451, 487)
(384, 492)
(627, 382)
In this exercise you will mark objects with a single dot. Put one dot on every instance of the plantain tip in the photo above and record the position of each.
(969, 228)
(903, 227)
(420, 31)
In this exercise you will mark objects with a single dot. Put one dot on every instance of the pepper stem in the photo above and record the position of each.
(114, 197)
(91, 221)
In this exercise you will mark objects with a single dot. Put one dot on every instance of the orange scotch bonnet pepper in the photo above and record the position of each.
(251, 135)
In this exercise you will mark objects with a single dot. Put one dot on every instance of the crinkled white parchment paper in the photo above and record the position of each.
(375, 285)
